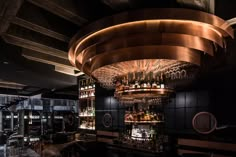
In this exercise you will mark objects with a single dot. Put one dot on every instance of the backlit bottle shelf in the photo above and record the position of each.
(87, 128)
(89, 97)
(87, 90)
(86, 115)
(58, 117)
(86, 104)
(148, 122)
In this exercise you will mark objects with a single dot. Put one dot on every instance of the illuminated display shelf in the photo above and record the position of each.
(143, 92)
(145, 89)
(86, 115)
(87, 128)
(87, 90)
(143, 122)
(86, 104)
(89, 97)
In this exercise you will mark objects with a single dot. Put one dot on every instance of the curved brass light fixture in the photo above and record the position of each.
(150, 41)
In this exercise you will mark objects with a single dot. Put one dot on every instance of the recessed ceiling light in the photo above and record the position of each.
(5, 62)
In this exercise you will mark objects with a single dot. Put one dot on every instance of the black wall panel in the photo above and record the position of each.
(181, 109)
(105, 103)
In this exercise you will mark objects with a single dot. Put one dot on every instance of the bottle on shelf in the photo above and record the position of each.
(92, 93)
(86, 84)
(143, 82)
(154, 82)
(93, 84)
(148, 82)
(126, 82)
(137, 84)
(162, 81)
(82, 85)
(90, 86)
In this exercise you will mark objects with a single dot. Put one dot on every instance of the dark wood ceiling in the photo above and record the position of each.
(35, 35)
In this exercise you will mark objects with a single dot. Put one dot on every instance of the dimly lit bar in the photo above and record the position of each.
(117, 78)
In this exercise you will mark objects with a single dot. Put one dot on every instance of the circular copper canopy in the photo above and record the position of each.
(181, 35)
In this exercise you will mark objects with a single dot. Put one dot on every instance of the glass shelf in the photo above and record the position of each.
(85, 98)
(86, 115)
(87, 128)
(86, 104)
(143, 122)
(86, 90)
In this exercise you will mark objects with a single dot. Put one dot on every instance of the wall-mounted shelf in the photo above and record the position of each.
(87, 90)
(87, 128)
(86, 115)
(86, 98)
(86, 104)
(144, 122)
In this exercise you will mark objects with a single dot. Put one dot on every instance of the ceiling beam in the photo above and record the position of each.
(40, 20)
(58, 61)
(40, 29)
(48, 59)
(11, 85)
(33, 36)
(38, 57)
(68, 71)
(65, 9)
(117, 5)
(21, 42)
(8, 10)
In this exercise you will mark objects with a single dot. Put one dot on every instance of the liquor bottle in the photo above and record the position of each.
(148, 84)
(93, 85)
(162, 81)
(157, 80)
(82, 85)
(142, 81)
(81, 95)
(148, 81)
(132, 81)
(86, 84)
(90, 84)
(154, 84)
(137, 84)
(92, 93)
(125, 83)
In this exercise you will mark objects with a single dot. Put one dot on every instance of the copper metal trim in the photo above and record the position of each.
(181, 34)
(144, 52)
(154, 14)
(141, 93)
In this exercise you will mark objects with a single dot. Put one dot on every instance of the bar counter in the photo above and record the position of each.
(131, 151)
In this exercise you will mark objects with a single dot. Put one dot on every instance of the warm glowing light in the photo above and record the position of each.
(133, 53)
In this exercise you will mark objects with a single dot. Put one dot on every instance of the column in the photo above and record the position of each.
(12, 121)
(41, 122)
(21, 125)
(1, 129)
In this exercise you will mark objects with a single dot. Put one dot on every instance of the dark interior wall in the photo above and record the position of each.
(179, 112)
(105, 103)
(214, 94)
(181, 109)
(222, 96)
